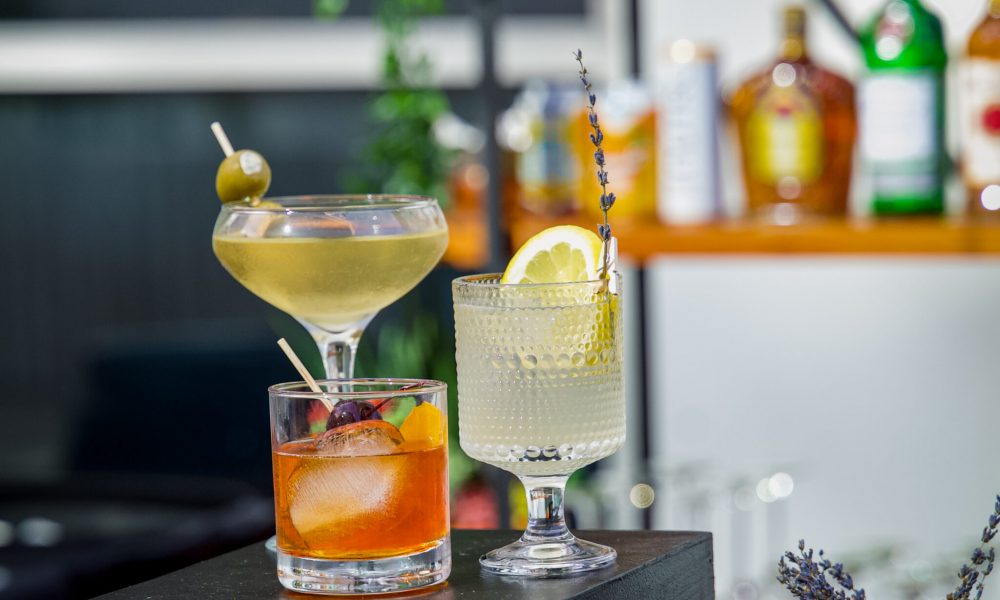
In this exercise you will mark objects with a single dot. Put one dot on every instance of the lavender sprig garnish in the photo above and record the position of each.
(972, 578)
(807, 579)
(597, 138)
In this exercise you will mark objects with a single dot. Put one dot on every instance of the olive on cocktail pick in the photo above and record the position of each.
(242, 175)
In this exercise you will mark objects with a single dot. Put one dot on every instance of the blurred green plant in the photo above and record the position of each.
(329, 9)
(404, 157)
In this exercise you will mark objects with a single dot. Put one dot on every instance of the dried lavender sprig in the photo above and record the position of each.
(972, 578)
(597, 138)
(807, 579)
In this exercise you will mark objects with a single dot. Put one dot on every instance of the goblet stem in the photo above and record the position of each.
(546, 514)
(547, 548)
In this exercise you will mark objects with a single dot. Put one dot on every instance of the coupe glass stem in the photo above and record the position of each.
(546, 514)
(338, 348)
(339, 351)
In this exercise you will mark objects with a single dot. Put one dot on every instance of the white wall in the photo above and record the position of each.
(874, 383)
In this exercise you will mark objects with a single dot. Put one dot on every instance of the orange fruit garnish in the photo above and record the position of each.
(424, 427)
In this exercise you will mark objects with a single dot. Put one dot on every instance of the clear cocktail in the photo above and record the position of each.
(541, 394)
(332, 262)
(331, 282)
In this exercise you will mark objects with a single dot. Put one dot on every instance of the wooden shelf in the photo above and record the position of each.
(642, 240)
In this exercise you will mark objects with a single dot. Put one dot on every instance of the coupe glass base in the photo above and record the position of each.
(322, 576)
(549, 558)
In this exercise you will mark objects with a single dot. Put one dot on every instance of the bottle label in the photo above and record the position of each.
(785, 135)
(900, 131)
(687, 138)
(981, 121)
(899, 117)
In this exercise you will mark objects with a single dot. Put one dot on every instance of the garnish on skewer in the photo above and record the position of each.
(415, 422)
(243, 175)
(345, 412)
(422, 422)
(357, 426)
(303, 372)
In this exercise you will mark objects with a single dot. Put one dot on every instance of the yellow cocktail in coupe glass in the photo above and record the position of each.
(332, 262)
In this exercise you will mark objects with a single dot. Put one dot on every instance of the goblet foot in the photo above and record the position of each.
(559, 557)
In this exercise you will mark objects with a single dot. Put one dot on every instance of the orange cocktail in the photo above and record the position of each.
(361, 485)
(359, 506)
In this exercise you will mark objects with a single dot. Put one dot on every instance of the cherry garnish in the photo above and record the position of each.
(346, 412)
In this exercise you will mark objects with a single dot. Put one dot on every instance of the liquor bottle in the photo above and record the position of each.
(538, 127)
(981, 114)
(901, 105)
(687, 131)
(796, 126)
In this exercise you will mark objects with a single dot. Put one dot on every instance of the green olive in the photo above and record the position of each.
(266, 204)
(243, 174)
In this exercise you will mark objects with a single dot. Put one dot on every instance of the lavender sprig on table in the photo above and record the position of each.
(597, 138)
(972, 578)
(807, 579)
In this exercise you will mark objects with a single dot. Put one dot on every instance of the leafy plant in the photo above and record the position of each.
(404, 157)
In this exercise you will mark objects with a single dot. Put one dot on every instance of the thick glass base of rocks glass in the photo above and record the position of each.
(540, 394)
(361, 491)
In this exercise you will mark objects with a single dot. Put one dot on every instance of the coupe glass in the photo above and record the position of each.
(541, 395)
(332, 262)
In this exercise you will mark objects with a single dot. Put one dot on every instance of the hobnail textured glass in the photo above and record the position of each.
(539, 374)
(540, 394)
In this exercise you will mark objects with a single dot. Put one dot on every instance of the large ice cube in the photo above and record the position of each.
(364, 438)
(332, 493)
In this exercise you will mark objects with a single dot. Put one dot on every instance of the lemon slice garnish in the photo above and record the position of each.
(560, 254)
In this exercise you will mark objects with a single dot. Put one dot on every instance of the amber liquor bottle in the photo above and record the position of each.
(980, 126)
(796, 126)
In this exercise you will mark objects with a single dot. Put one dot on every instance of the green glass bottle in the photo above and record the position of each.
(901, 109)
